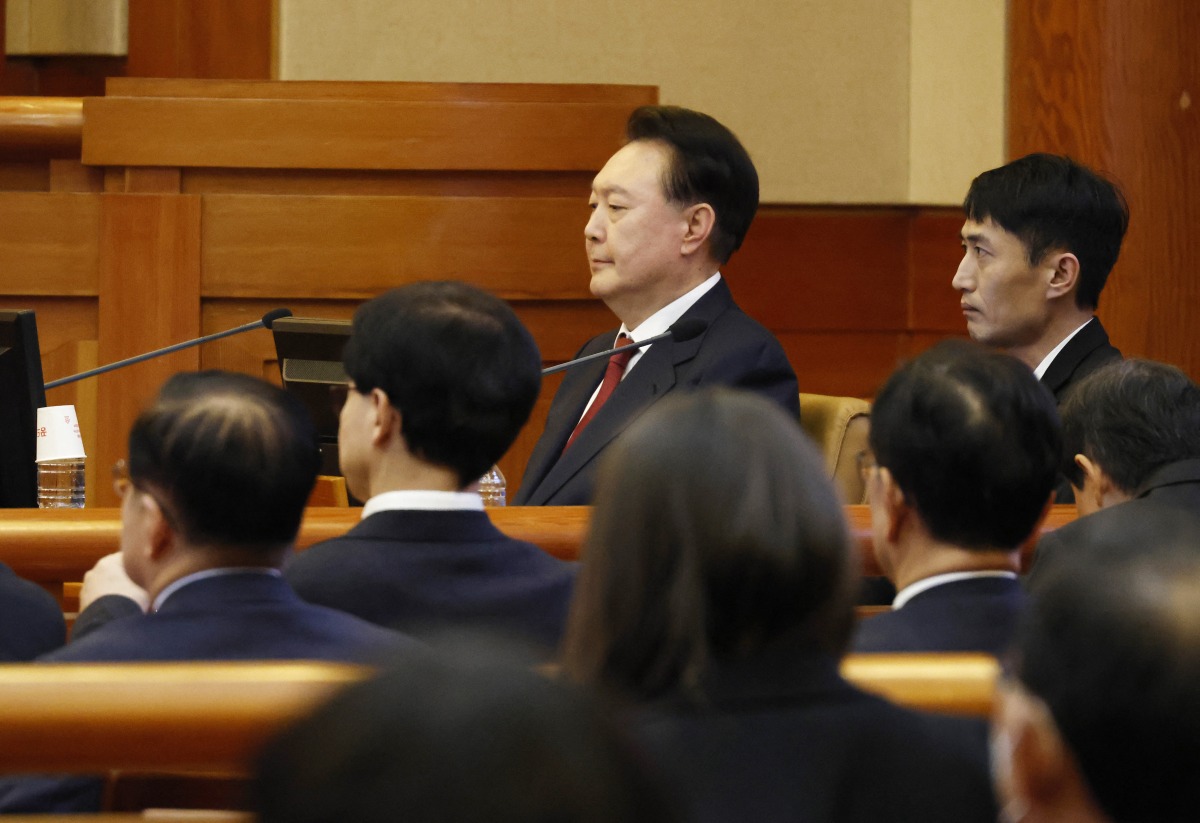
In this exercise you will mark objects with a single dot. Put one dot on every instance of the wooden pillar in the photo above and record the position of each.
(1116, 85)
(149, 293)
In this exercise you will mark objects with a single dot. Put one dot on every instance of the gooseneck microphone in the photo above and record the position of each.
(264, 322)
(682, 331)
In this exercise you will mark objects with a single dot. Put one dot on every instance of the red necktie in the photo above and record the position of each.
(612, 376)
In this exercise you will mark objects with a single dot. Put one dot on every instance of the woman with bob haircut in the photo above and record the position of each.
(717, 596)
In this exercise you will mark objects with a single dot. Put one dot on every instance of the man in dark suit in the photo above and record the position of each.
(219, 471)
(668, 210)
(1131, 435)
(1041, 236)
(443, 377)
(1099, 718)
(966, 447)
(31, 621)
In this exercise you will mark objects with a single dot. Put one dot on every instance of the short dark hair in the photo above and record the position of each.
(1110, 642)
(436, 739)
(715, 531)
(1052, 202)
(972, 439)
(1131, 418)
(458, 365)
(708, 165)
(232, 458)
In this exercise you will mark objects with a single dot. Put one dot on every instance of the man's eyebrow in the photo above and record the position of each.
(611, 188)
(974, 237)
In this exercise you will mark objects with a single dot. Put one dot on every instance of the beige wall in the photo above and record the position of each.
(839, 101)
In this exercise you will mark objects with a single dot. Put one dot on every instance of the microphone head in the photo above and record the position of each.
(687, 329)
(274, 314)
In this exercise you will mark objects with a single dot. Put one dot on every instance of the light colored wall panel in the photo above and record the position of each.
(957, 102)
(67, 27)
(817, 89)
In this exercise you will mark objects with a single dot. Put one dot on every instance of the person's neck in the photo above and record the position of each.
(636, 309)
(413, 475)
(1057, 330)
(189, 560)
(918, 556)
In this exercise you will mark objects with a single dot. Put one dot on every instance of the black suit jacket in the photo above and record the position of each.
(782, 737)
(974, 615)
(424, 571)
(1175, 486)
(734, 350)
(31, 621)
(1087, 351)
(228, 617)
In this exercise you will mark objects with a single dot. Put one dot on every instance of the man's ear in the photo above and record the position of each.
(1097, 485)
(159, 532)
(1065, 273)
(1043, 774)
(385, 418)
(895, 507)
(701, 219)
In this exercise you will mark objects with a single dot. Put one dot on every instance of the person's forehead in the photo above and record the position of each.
(636, 168)
(987, 230)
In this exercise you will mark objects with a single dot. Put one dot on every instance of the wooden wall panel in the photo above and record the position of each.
(356, 247)
(1113, 84)
(824, 269)
(130, 131)
(150, 294)
(50, 244)
(214, 38)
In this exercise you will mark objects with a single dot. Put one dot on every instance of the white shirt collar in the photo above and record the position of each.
(204, 575)
(424, 500)
(665, 317)
(1048, 359)
(913, 589)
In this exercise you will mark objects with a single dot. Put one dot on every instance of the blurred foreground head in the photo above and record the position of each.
(715, 532)
(441, 740)
(1101, 719)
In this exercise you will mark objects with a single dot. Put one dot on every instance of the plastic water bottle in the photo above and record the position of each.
(493, 488)
(60, 484)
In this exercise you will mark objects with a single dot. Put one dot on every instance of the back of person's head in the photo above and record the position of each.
(437, 740)
(708, 165)
(1111, 646)
(1053, 203)
(458, 365)
(972, 439)
(233, 458)
(715, 531)
(1131, 418)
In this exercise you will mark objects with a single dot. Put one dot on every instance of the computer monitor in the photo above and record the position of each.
(310, 363)
(22, 393)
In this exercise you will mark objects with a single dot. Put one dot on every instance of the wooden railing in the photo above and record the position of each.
(41, 127)
(56, 547)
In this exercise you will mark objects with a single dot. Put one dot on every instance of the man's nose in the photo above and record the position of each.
(964, 279)
(594, 228)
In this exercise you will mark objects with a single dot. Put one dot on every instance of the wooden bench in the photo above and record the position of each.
(213, 717)
(57, 547)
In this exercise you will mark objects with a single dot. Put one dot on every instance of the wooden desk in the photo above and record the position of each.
(53, 547)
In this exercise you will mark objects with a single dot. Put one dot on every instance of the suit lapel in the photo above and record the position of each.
(653, 376)
(1090, 337)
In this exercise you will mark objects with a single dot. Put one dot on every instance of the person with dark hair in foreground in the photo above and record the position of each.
(219, 470)
(443, 376)
(668, 210)
(717, 591)
(1131, 436)
(440, 739)
(1100, 717)
(1042, 234)
(965, 448)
